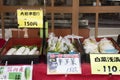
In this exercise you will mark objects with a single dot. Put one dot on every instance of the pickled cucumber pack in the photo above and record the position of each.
(23, 50)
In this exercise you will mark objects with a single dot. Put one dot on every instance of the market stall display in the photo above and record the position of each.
(63, 51)
(41, 68)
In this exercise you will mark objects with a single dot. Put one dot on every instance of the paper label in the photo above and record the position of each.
(16, 72)
(30, 18)
(63, 64)
(105, 64)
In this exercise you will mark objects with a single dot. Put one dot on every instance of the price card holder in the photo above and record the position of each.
(23, 72)
(106, 64)
(63, 64)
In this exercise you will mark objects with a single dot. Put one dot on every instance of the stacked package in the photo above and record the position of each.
(103, 46)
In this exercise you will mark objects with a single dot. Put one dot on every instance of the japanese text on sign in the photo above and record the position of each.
(30, 18)
(16, 72)
(106, 63)
(63, 64)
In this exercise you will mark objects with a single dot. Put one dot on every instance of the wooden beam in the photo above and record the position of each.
(82, 9)
(48, 9)
(99, 9)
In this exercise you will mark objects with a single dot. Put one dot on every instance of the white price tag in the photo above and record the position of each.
(105, 64)
(16, 72)
(63, 64)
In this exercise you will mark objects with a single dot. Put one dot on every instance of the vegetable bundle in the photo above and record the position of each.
(60, 44)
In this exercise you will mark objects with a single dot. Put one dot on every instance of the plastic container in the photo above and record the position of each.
(21, 59)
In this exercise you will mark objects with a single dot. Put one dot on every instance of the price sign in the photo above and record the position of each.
(63, 64)
(30, 18)
(16, 72)
(105, 63)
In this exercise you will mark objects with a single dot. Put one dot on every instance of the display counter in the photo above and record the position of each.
(2, 42)
(40, 69)
(40, 73)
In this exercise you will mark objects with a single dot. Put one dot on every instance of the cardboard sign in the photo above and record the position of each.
(63, 64)
(30, 18)
(105, 64)
(16, 72)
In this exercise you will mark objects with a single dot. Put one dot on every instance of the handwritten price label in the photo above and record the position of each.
(16, 72)
(63, 64)
(30, 18)
(105, 63)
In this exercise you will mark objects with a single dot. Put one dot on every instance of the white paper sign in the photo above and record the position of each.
(106, 64)
(63, 64)
(30, 18)
(16, 72)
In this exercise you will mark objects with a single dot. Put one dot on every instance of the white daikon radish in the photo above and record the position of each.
(11, 51)
(33, 51)
(20, 51)
(26, 52)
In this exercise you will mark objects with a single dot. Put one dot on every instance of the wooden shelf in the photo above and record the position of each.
(74, 9)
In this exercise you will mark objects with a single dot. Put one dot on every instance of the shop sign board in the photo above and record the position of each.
(16, 72)
(30, 18)
(63, 63)
(105, 64)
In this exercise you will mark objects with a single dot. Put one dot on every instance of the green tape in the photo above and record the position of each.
(46, 30)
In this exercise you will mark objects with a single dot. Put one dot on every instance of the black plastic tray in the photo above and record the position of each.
(20, 59)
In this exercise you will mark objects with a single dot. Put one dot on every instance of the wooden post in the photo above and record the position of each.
(75, 17)
(96, 25)
(97, 20)
(1, 2)
(2, 25)
(52, 17)
(2, 21)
